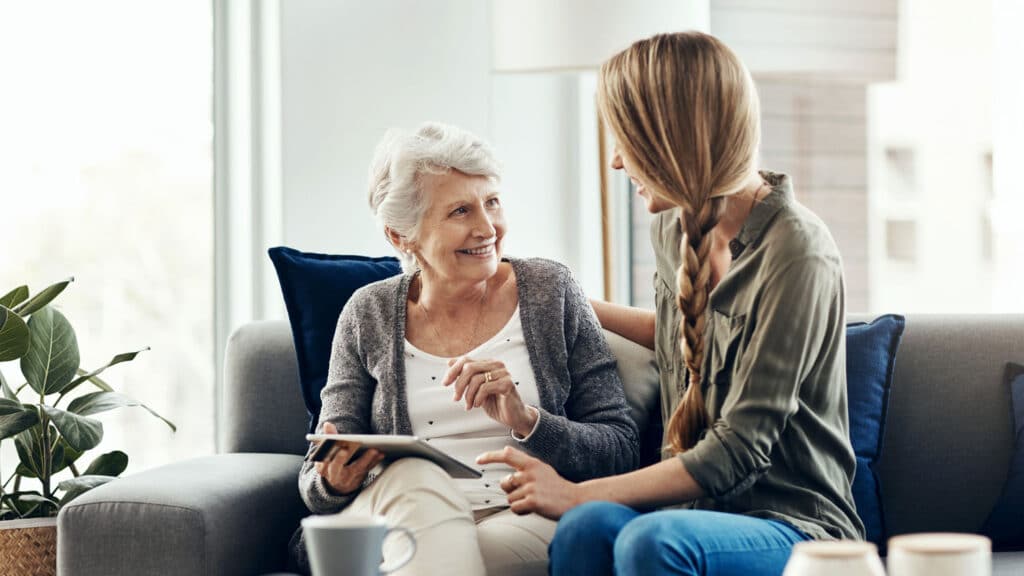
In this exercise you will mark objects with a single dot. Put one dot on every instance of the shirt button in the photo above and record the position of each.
(735, 247)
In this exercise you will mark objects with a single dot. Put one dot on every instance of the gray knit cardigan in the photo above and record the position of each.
(585, 429)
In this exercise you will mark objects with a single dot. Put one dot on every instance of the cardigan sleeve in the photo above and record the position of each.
(346, 402)
(596, 436)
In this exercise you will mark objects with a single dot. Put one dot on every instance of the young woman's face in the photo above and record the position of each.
(462, 230)
(654, 203)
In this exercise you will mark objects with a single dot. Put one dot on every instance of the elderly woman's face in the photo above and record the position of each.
(463, 227)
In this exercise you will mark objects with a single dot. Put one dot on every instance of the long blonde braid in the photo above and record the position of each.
(685, 113)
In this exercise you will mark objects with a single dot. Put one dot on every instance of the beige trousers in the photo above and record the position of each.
(418, 495)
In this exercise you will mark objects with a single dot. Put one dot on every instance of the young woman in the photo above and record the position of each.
(749, 337)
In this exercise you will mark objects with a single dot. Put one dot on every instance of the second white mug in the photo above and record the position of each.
(834, 558)
(940, 554)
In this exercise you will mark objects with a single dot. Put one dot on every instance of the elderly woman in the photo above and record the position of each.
(472, 352)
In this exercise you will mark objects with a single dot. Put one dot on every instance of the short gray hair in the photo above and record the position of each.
(400, 160)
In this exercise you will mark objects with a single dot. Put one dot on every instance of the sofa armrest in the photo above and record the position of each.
(217, 515)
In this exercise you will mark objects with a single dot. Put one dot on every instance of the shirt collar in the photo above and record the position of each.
(763, 212)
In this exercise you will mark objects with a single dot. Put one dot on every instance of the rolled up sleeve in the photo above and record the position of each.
(794, 314)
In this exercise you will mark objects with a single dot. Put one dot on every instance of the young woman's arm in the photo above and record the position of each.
(636, 324)
(535, 487)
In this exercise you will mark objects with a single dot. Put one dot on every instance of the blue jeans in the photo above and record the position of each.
(596, 537)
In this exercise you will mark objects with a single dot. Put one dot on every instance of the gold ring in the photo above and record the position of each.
(487, 377)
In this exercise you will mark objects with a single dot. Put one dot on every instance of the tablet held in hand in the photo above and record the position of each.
(393, 447)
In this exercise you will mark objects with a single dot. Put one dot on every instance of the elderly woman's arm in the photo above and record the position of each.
(597, 436)
(346, 400)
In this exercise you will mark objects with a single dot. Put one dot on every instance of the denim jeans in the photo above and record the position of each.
(606, 538)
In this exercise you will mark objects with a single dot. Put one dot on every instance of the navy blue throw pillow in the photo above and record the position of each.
(1005, 525)
(870, 360)
(316, 287)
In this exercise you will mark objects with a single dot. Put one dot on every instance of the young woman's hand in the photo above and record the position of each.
(534, 486)
(488, 384)
(341, 476)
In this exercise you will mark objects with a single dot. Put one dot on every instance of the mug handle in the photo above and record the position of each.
(405, 559)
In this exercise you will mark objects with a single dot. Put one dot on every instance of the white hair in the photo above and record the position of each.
(400, 160)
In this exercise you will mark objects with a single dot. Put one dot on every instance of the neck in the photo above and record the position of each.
(739, 206)
(450, 298)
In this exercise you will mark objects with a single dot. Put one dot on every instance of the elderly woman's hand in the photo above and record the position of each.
(488, 384)
(341, 476)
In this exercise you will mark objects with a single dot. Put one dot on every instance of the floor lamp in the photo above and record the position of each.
(535, 36)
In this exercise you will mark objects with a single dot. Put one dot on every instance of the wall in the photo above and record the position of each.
(352, 69)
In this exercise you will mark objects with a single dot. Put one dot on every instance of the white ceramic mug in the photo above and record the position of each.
(834, 558)
(344, 544)
(940, 554)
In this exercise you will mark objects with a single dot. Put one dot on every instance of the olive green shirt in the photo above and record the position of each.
(774, 374)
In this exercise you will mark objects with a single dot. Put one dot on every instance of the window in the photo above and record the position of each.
(106, 175)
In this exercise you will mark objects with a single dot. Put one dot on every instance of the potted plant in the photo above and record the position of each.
(49, 419)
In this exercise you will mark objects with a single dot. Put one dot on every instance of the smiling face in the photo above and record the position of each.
(654, 203)
(460, 236)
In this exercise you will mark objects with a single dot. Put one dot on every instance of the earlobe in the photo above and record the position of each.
(396, 240)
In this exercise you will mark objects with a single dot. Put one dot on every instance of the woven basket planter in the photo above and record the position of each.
(28, 547)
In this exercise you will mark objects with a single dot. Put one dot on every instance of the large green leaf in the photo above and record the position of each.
(82, 433)
(75, 487)
(15, 418)
(96, 402)
(43, 298)
(14, 336)
(14, 297)
(109, 464)
(28, 452)
(83, 376)
(52, 359)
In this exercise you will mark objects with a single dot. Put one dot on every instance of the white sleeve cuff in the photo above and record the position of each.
(517, 438)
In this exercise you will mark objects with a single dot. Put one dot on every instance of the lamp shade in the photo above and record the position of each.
(560, 35)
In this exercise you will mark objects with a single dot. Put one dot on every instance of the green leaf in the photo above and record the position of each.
(28, 452)
(14, 336)
(6, 390)
(83, 376)
(14, 297)
(27, 504)
(75, 487)
(96, 402)
(109, 464)
(97, 381)
(15, 418)
(63, 456)
(81, 433)
(25, 471)
(43, 298)
(52, 359)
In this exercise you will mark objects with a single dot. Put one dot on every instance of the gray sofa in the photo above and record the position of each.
(947, 449)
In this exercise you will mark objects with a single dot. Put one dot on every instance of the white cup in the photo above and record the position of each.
(346, 544)
(940, 554)
(834, 558)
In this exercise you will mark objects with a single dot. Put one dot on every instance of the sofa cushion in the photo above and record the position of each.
(638, 371)
(1005, 525)
(870, 360)
(316, 287)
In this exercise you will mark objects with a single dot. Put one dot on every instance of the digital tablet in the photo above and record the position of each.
(393, 448)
